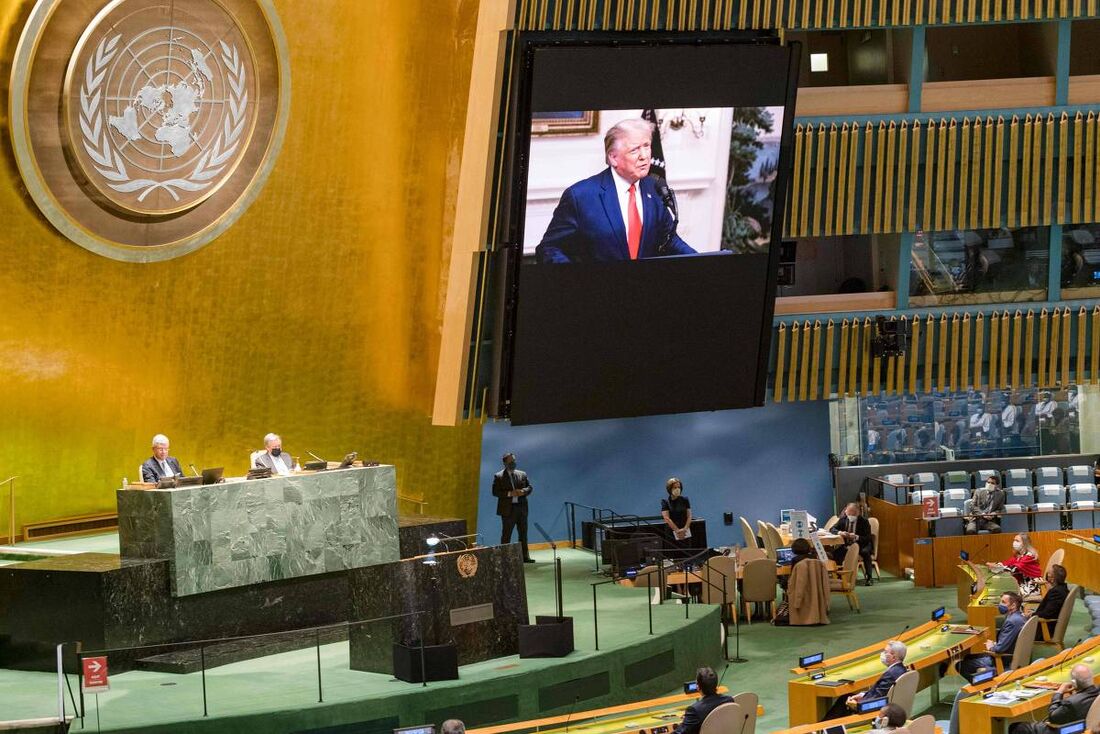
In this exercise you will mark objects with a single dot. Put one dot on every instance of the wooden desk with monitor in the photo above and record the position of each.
(655, 716)
(1015, 697)
(852, 725)
(978, 591)
(929, 645)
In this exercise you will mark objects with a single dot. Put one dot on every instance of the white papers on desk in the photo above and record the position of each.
(1007, 698)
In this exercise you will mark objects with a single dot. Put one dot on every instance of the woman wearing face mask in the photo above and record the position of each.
(1024, 563)
(890, 717)
(676, 511)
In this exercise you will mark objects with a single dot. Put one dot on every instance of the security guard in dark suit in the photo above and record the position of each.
(511, 487)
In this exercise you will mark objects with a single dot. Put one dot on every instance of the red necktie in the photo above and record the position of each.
(633, 225)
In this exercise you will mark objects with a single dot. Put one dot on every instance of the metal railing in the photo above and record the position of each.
(63, 683)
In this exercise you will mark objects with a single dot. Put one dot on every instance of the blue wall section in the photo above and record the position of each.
(750, 462)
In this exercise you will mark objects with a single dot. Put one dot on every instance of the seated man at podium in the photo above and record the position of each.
(707, 680)
(852, 527)
(274, 458)
(160, 465)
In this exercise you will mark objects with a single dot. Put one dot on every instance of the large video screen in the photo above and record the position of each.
(646, 191)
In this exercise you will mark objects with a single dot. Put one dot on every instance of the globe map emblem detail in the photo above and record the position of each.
(160, 108)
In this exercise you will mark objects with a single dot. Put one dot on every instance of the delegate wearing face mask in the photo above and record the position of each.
(676, 510)
(892, 658)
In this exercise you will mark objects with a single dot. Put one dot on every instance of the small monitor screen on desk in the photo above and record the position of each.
(422, 729)
(1074, 728)
(784, 556)
(873, 704)
(808, 660)
(982, 677)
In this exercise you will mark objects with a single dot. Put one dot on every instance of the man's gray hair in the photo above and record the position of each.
(453, 726)
(1081, 675)
(622, 127)
(897, 648)
(160, 440)
(270, 438)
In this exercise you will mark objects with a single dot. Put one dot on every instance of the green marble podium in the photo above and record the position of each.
(241, 533)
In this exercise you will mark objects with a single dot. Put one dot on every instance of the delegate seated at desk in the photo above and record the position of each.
(1071, 703)
(160, 465)
(697, 712)
(274, 458)
(852, 527)
(893, 657)
(985, 508)
(1051, 605)
(1006, 637)
(1024, 562)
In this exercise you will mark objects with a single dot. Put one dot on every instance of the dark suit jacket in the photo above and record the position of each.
(885, 682)
(502, 485)
(697, 712)
(1072, 708)
(150, 470)
(1006, 636)
(863, 530)
(263, 461)
(1051, 605)
(587, 225)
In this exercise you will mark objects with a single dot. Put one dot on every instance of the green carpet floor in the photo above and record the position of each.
(289, 681)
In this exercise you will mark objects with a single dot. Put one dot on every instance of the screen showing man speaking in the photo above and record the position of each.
(649, 175)
(642, 183)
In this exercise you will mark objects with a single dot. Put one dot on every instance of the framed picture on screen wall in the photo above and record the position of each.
(573, 122)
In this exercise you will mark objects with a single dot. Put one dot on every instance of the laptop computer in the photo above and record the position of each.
(212, 476)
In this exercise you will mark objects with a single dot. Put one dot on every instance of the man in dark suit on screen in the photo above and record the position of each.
(696, 713)
(616, 214)
(160, 465)
(511, 487)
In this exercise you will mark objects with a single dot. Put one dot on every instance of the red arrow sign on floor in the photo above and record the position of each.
(94, 675)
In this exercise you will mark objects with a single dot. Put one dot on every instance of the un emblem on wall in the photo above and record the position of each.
(171, 113)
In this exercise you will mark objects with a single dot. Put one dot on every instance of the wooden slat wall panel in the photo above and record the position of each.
(702, 15)
(947, 351)
(945, 173)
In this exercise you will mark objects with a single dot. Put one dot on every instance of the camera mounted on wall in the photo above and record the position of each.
(891, 338)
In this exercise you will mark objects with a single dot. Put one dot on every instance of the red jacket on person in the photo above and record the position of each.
(1023, 567)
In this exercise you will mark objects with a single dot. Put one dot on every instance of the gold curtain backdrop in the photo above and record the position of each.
(317, 315)
(948, 351)
(936, 173)
(703, 15)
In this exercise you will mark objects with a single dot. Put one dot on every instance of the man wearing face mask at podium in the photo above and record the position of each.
(274, 458)
(892, 658)
(511, 487)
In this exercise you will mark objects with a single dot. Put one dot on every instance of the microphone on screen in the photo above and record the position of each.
(668, 196)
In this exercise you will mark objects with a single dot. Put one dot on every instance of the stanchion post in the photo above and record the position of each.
(595, 619)
(423, 664)
(317, 639)
(202, 663)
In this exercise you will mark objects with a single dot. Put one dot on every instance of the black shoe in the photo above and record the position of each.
(528, 560)
(868, 582)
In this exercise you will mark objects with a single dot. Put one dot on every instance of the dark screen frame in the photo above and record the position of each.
(513, 177)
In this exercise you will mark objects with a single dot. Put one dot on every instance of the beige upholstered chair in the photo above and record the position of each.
(648, 577)
(769, 541)
(728, 718)
(845, 581)
(758, 579)
(748, 702)
(874, 547)
(1055, 559)
(752, 554)
(904, 690)
(1057, 638)
(924, 725)
(831, 521)
(776, 538)
(1092, 718)
(1021, 655)
(722, 576)
(751, 540)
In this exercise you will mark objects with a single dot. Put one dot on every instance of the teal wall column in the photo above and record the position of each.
(916, 69)
(1061, 73)
(1054, 276)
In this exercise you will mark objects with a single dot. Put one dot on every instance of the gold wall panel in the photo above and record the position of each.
(952, 352)
(316, 316)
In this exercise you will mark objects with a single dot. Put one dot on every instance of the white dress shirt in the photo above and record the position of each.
(622, 188)
(981, 420)
(1008, 415)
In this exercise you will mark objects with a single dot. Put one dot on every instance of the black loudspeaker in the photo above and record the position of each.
(441, 662)
(548, 637)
